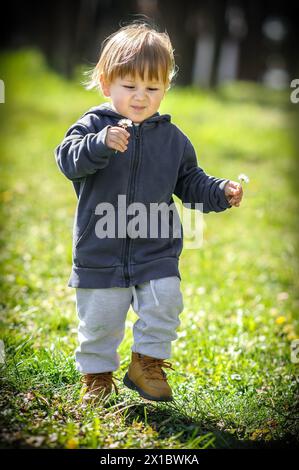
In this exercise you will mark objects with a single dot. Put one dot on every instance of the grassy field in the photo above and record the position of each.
(234, 383)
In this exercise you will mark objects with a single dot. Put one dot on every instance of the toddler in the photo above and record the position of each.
(122, 155)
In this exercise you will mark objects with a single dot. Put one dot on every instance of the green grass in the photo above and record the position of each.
(234, 382)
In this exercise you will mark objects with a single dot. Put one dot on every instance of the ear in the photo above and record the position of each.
(104, 86)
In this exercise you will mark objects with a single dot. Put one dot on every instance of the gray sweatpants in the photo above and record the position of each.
(102, 315)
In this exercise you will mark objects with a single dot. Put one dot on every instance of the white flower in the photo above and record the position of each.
(243, 177)
(236, 377)
(125, 123)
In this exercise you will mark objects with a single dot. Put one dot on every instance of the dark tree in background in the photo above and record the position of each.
(214, 40)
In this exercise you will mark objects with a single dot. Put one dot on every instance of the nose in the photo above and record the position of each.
(140, 94)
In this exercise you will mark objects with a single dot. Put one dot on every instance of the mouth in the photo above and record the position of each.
(138, 108)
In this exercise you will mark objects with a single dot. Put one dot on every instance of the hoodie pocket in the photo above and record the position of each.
(90, 251)
(151, 247)
(85, 230)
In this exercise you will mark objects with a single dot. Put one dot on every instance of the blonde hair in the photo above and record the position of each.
(132, 50)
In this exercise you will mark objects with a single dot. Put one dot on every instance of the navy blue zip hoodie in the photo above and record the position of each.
(160, 161)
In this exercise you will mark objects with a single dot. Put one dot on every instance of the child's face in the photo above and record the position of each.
(134, 98)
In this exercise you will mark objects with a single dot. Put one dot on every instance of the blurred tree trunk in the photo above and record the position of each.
(217, 13)
(174, 17)
(251, 63)
(56, 36)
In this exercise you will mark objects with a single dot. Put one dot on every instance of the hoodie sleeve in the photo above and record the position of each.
(195, 186)
(82, 153)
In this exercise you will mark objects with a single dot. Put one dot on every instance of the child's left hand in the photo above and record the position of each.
(233, 192)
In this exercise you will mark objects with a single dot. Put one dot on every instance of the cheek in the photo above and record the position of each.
(120, 98)
(157, 100)
(124, 97)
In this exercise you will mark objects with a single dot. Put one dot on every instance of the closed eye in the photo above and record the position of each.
(131, 88)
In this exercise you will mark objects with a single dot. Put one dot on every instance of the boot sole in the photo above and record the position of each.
(128, 383)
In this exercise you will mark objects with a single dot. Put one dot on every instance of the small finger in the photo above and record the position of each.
(118, 136)
(233, 202)
(123, 148)
(119, 145)
(232, 192)
(124, 143)
(124, 138)
(124, 133)
(120, 140)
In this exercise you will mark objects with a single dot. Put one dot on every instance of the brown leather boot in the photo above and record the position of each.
(97, 386)
(146, 376)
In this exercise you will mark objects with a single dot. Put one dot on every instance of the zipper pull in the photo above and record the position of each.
(137, 132)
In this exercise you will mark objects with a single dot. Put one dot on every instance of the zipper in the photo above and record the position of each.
(130, 200)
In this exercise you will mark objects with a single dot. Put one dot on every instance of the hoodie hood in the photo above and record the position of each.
(105, 109)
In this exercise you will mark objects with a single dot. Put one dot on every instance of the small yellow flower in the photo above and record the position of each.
(280, 320)
(72, 443)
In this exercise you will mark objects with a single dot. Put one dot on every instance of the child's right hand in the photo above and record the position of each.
(117, 138)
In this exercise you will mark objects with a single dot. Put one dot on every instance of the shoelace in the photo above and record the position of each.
(154, 366)
(99, 380)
